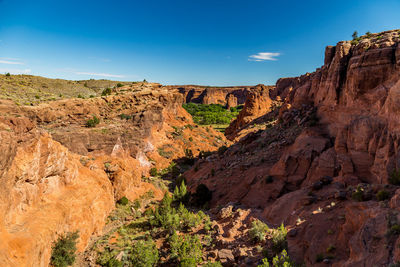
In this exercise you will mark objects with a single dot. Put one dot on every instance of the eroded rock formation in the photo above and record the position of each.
(335, 142)
(258, 102)
(58, 175)
(226, 96)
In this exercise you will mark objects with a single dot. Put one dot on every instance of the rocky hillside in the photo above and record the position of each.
(32, 90)
(65, 163)
(326, 162)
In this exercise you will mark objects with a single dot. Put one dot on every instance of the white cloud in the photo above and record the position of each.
(262, 56)
(100, 74)
(15, 71)
(11, 61)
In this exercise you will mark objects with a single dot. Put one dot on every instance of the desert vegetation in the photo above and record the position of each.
(64, 249)
(213, 114)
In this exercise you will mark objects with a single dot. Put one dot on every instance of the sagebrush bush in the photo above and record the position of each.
(63, 253)
(258, 230)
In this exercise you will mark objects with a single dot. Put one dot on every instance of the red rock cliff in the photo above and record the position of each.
(60, 176)
(337, 138)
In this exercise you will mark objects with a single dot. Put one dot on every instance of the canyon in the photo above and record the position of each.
(226, 96)
(335, 137)
(317, 153)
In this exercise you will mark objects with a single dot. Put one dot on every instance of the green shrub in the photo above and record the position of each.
(80, 96)
(358, 195)
(258, 230)
(92, 122)
(119, 85)
(180, 193)
(123, 201)
(144, 254)
(394, 177)
(153, 171)
(394, 229)
(279, 242)
(63, 253)
(186, 249)
(8, 74)
(107, 259)
(264, 263)
(355, 35)
(125, 116)
(382, 195)
(280, 260)
(106, 92)
(180, 179)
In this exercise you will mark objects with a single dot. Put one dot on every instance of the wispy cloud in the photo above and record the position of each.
(11, 61)
(100, 74)
(262, 56)
(15, 71)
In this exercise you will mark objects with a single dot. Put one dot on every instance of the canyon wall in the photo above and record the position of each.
(59, 176)
(226, 96)
(334, 140)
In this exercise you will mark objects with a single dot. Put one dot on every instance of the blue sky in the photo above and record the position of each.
(181, 42)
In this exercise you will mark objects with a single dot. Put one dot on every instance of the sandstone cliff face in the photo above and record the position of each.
(46, 191)
(60, 176)
(258, 103)
(226, 96)
(338, 131)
